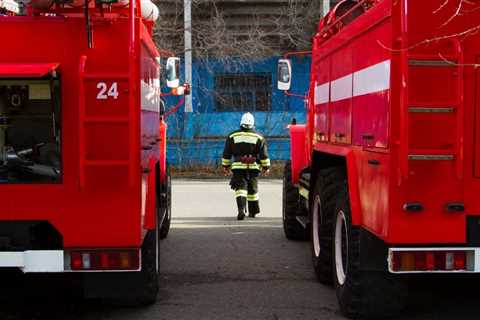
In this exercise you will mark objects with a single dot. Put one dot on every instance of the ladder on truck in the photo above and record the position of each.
(86, 121)
(431, 64)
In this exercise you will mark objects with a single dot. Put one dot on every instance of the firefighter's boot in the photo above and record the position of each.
(242, 207)
(253, 205)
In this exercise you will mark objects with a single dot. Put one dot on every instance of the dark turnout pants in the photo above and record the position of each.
(245, 184)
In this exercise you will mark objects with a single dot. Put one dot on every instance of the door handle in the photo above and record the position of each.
(368, 136)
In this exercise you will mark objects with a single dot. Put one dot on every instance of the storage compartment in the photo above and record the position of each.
(30, 126)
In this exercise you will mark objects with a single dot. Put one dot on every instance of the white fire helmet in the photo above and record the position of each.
(248, 121)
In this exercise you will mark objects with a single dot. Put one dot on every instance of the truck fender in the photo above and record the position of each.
(150, 219)
(336, 155)
(298, 150)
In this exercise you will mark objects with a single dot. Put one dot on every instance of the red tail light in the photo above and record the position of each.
(103, 260)
(420, 261)
(76, 261)
(430, 261)
(435, 260)
(460, 260)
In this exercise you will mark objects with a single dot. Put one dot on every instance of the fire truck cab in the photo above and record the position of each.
(384, 175)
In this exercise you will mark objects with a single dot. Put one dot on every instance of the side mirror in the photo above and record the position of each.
(173, 72)
(284, 74)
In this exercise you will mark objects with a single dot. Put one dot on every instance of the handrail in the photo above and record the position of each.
(341, 18)
(460, 110)
(403, 149)
(296, 53)
(81, 120)
(132, 91)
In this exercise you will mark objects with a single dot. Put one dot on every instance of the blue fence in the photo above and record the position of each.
(198, 137)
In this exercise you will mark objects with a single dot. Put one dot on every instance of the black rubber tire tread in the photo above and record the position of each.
(326, 187)
(149, 276)
(290, 208)
(165, 228)
(143, 286)
(365, 295)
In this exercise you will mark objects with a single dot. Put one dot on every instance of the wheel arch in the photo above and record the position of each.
(344, 158)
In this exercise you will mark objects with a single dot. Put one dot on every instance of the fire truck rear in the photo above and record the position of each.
(83, 179)
(385, 175)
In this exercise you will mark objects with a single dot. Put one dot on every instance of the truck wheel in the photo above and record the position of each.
(321, 214)
(167, 206)
(360, 293)
(149, 275)
(292, 228)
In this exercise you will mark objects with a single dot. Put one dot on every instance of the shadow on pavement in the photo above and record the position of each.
(205, 252)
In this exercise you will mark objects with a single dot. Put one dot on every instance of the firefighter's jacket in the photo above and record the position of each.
(241, 147)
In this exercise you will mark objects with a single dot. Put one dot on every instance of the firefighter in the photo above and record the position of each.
(245, 154)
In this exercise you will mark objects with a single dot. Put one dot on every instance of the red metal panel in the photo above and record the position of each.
(341, 96)
(477, 124)
(107, 146)
(150, 216)
(371, 82)
(385, 177)
(298, 152)
(26, 70)
(321, 99)
(373, 185)
(371, 131)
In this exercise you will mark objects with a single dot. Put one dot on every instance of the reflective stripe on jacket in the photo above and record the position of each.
(245, 143)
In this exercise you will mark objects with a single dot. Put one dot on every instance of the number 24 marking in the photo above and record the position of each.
(104, 92)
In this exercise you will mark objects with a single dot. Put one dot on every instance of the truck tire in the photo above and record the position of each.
(149, 275)
(360, 293)
(322, 210)
(292, 228)
(167, 206)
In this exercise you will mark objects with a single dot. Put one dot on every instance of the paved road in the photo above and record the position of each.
(218, 268)
(214, 267)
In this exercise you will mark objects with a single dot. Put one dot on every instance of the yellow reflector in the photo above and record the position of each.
(407, 261)
(124, 259)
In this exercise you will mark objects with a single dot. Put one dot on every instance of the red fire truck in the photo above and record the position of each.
(385, 175)
(83, 179)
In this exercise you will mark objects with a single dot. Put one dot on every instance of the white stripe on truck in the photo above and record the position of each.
(322, 93)
(373, 79)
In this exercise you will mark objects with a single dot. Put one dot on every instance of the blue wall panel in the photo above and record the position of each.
(198, 137)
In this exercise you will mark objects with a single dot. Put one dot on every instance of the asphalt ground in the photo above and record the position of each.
(214, 267)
